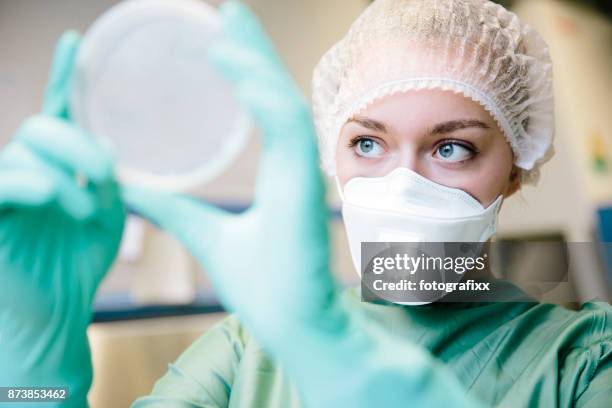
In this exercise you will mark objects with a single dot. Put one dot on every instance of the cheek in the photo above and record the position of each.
(492, 178)
(346, 166)
(349, 165)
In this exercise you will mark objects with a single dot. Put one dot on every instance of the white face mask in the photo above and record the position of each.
(404, 206)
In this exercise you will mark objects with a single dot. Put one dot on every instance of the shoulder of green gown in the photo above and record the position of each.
(595, 317)
(573, 330)
(592, 321)
(204, 374)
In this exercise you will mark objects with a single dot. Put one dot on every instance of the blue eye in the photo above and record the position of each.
(454, 152)
(368, 147)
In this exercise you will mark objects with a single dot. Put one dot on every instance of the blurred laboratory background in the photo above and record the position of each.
(156, 300)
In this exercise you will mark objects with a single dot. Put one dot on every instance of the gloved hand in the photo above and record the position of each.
(61, 220)
(271, 263)
(274, 257)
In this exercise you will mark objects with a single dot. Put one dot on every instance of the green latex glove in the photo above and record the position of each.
(271, 263)
(273, 258)
(61, 220)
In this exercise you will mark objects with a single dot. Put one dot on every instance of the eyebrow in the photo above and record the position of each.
(440, 128)
(369, 123)
(453, 125)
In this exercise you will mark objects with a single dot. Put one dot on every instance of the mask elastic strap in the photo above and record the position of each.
(494, 209)
(496, 205)
(339, 188)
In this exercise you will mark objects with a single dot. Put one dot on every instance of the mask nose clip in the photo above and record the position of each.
(407, 186)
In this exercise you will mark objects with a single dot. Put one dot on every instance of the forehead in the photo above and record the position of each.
(424, 108)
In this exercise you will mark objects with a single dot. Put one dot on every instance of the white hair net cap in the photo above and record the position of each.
(473, 47)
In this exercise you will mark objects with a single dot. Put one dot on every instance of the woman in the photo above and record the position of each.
(454, 96)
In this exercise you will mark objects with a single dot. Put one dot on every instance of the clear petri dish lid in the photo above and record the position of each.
(143, 81)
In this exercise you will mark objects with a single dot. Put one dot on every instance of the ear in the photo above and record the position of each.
(514, 182)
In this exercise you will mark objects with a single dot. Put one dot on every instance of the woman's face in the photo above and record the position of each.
(441, 135)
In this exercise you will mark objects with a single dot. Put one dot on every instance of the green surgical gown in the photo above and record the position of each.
(522, 354)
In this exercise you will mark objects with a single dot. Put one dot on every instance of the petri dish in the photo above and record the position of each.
(143, 81)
